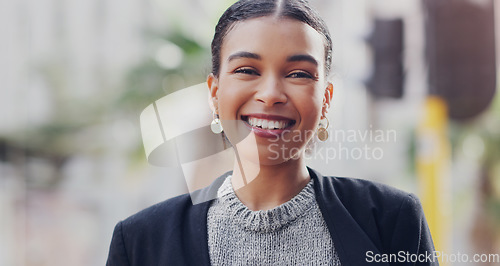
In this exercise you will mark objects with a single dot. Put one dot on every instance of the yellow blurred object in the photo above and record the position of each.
(433, 170)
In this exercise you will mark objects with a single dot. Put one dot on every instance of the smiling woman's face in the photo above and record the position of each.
(272, 81)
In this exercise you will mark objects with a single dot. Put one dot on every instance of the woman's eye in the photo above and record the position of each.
(247, 71)
(300, 74)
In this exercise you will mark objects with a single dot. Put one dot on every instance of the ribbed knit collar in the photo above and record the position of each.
(268, 220)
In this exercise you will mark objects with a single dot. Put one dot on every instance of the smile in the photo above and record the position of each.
(268, 122)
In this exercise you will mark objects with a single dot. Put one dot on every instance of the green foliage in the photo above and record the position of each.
(148, 81)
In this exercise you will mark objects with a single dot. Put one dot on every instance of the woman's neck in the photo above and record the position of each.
(263, 187)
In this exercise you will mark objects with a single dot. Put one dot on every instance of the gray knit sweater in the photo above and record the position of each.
(293, 233)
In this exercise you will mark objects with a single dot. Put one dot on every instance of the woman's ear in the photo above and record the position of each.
(327, 99)
(213, 87)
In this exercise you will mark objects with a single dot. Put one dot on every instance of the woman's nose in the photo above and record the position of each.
(271, 91)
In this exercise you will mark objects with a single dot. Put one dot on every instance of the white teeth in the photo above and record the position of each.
(264, 124)
(267, 124)
(271, 124)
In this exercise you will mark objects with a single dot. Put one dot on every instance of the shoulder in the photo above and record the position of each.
(355, 190)
(142, 237)
(363, 199)
(383, 212)
(160, 233)
(368, 216)
(375, 202)
(175, 209)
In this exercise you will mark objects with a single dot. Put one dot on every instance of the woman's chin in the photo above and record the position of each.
(269, 155)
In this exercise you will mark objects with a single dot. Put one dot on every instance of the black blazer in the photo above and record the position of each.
(368, 223)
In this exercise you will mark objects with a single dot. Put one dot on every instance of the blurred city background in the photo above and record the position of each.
(77, 74)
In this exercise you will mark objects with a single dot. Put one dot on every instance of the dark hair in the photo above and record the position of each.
(246, 9)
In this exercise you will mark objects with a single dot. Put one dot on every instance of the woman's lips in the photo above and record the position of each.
(267, 126)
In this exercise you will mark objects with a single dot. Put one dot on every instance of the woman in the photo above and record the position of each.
(269, 89)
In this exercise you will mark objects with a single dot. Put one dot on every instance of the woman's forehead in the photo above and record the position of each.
(273, 36)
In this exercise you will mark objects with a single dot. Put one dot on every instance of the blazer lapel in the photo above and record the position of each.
(351, 242)
(196, 235)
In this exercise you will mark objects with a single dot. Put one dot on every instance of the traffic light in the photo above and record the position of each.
(460, 52)
(387, 45)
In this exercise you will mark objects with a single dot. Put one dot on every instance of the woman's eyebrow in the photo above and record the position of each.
(243, 55)
(302, 57)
